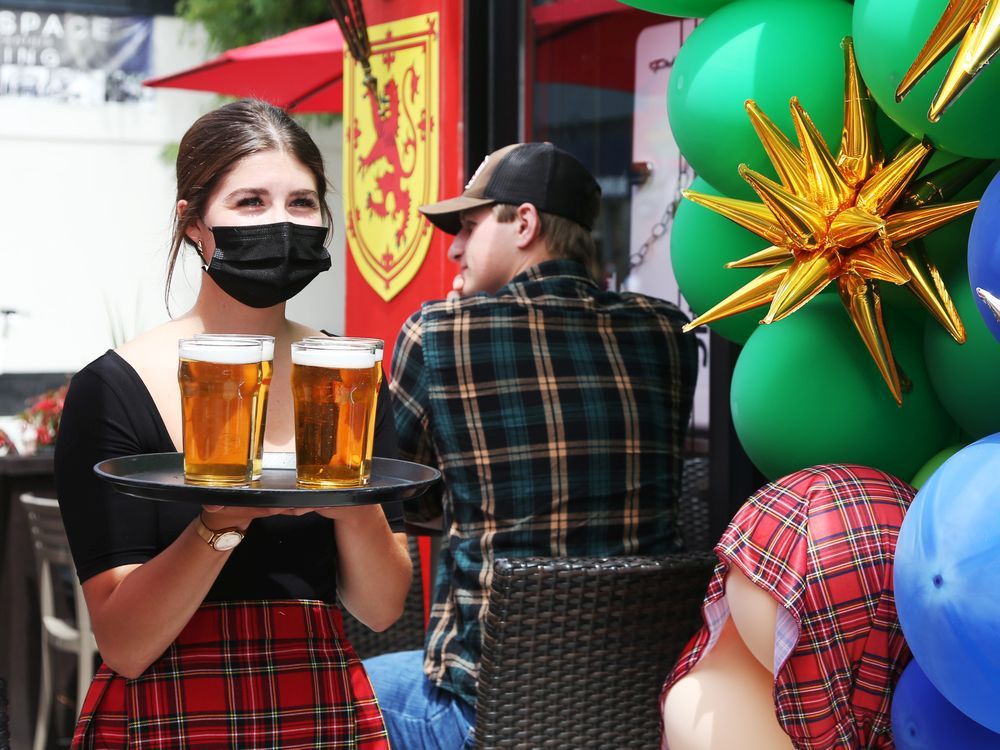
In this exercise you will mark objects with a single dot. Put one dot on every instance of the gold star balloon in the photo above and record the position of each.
(844, 218)
(977, 22)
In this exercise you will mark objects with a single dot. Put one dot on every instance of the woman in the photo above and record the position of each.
(243, 647)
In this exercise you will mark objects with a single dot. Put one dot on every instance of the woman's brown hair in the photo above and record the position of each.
(217, 142)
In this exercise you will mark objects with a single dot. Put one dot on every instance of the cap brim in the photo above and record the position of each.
(445, 215)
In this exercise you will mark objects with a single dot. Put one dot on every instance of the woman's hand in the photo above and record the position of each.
(349, 515)
(229, 516)
(352, 514)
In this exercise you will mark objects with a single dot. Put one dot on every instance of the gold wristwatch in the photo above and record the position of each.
(221, 540)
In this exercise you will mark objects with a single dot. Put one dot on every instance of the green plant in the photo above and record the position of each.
(233, 23)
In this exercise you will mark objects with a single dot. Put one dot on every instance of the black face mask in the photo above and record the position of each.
(262, 265)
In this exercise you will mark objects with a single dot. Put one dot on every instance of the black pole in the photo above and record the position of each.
(492, 62)
(733, 477)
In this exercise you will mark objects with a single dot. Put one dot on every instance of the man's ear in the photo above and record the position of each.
(529, 225)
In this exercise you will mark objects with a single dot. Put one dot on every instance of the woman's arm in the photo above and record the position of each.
(373, 564)
(137, 611)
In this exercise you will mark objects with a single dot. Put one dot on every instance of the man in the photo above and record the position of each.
(556, 412)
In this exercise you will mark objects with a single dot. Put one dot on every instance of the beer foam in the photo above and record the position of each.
(351, 359)
(378, 347)
(325, 340)
(267, 344)
(197, 351)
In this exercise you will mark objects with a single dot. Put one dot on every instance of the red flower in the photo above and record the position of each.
(43, 413)
(7, 445)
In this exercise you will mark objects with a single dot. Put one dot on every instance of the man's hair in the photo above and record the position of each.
(563, 237)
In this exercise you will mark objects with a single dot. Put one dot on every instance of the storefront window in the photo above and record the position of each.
(582, 95)
(596, 75)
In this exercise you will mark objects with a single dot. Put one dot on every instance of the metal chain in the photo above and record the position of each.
(659, 229)
(684, 179)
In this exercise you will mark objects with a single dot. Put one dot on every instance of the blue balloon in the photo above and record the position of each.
(984, 252)
(923, 720)
(947, 580)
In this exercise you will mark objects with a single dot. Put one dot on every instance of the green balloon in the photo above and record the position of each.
(965, 375)
(805, 391)
(766, 50)
(701, 243)
(888, 34)
(678, 8)
(946, 247)
(932, 465)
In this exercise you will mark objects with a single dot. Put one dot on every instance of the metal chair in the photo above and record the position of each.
(59, 633)
(575, 650)
(406, 634)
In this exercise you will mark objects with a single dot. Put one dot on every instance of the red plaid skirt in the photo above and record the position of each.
(821, 542)
(276, 674)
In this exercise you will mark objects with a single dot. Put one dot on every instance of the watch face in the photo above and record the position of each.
(227, 540)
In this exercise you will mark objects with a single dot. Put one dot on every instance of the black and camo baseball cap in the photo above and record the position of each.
(544, 175)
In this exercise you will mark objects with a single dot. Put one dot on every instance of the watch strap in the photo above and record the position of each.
(210, 535)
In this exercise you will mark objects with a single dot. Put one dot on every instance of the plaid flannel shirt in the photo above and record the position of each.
(556, 412)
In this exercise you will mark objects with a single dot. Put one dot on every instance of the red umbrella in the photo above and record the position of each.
(301, 71)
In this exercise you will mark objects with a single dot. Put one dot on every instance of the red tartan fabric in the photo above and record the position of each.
(821, 542)
(241, 675)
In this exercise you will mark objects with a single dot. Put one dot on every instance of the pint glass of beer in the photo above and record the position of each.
(334, 391)
(267, 371)
(379, 345)
(219, 382)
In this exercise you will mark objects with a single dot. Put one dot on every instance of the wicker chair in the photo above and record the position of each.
(4, 726)
(693, 514)
(575, 650)
(406, 634)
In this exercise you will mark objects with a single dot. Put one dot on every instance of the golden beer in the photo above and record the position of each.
(267, 371)
(219, 383)
(260, 414)
(379, 345)
(334, 391)
(377, 374)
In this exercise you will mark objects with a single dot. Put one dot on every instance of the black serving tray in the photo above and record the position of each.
(160, 476)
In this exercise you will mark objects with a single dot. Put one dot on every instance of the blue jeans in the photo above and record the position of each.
(418, 714)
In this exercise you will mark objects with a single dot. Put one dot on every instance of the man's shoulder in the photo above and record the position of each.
(630, 308)
(438, 313)
(638, 299)
(447, 309)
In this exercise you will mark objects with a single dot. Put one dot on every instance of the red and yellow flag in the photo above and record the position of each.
(391, 152)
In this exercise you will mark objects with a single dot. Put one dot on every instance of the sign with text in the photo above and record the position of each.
(75, 58)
